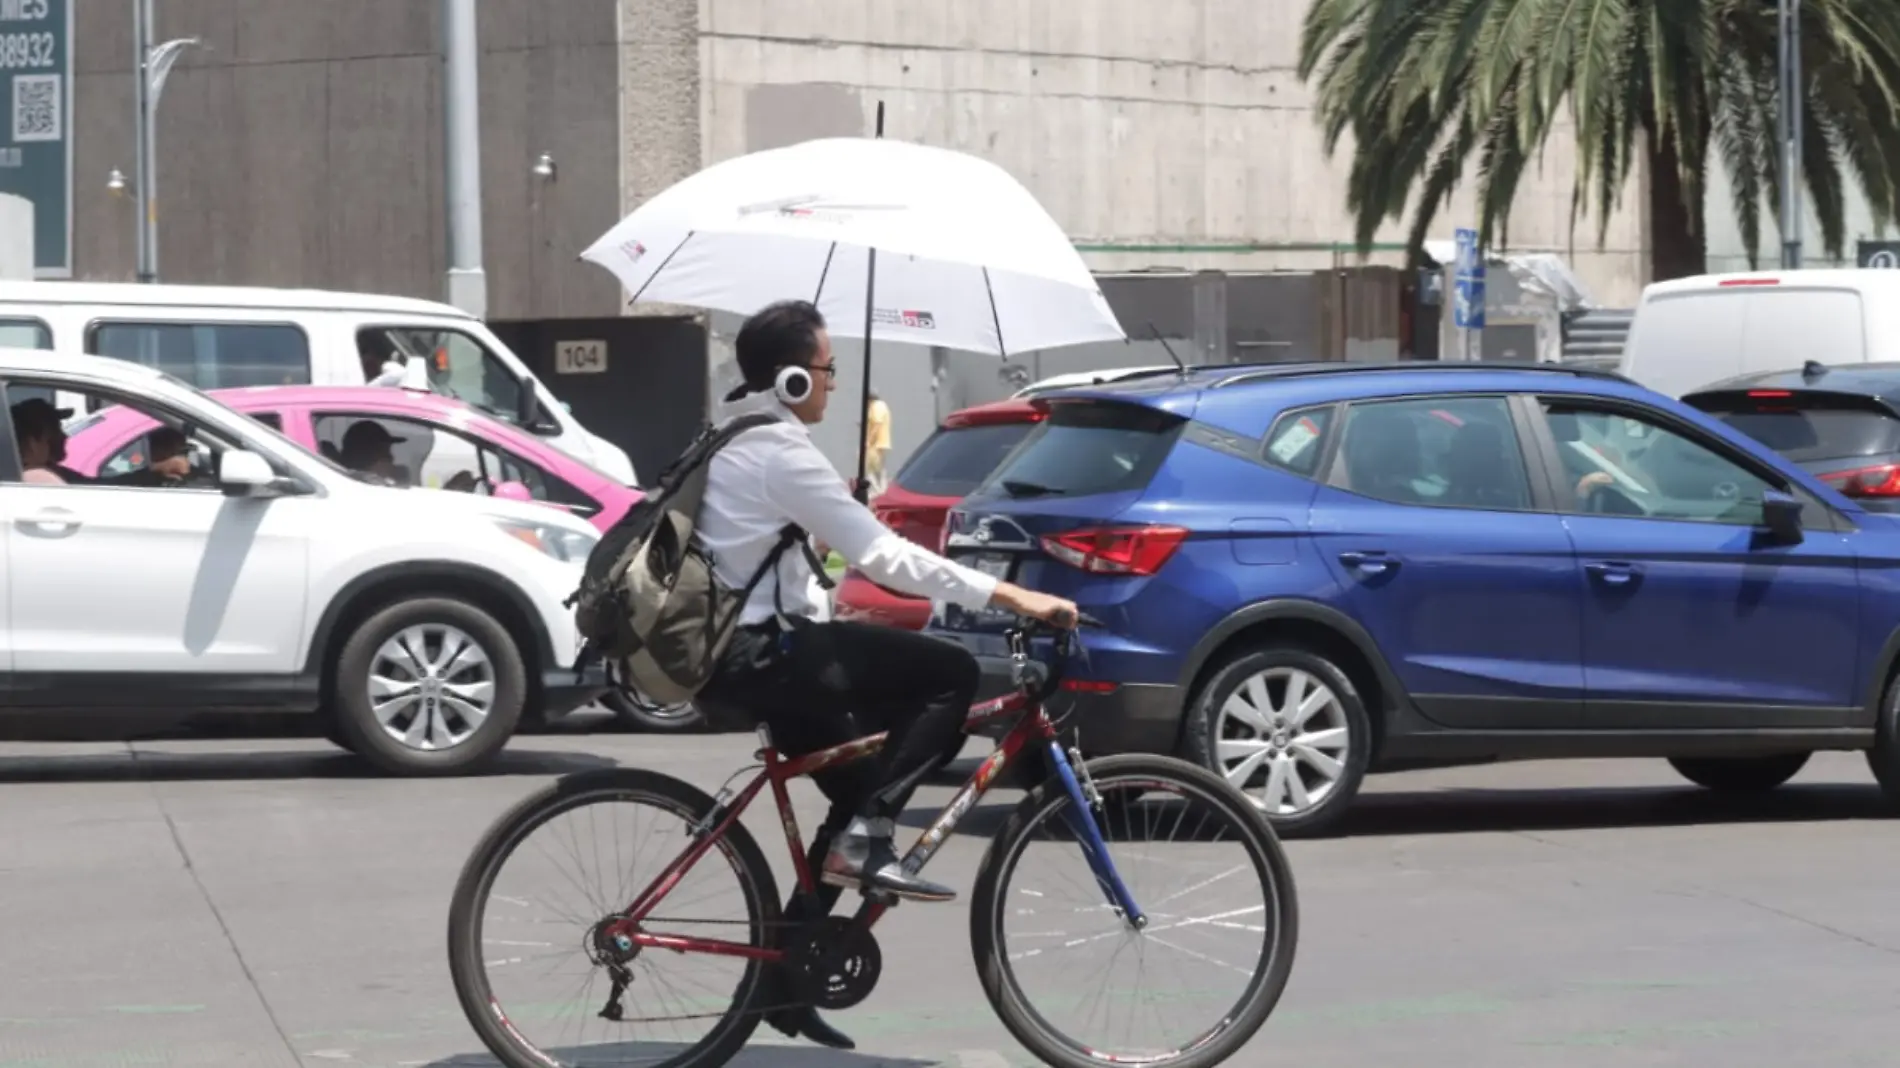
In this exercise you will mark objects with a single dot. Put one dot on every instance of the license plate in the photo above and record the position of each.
(995, 565)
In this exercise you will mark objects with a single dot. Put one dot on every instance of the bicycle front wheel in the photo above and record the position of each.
(1080, 986)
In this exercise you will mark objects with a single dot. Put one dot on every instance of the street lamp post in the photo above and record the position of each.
(1790, 100)
(153, 63)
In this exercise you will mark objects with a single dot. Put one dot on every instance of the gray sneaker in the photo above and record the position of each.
(863, 857)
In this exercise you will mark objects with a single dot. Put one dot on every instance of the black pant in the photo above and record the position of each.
(816, 685)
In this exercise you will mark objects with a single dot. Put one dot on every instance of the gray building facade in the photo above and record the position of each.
(303, 146)
(1174, 143)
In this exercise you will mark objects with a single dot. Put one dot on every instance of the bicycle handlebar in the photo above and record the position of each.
(1039, 680)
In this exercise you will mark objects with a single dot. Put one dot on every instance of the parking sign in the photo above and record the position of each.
(1878, 255)
(1468, 283)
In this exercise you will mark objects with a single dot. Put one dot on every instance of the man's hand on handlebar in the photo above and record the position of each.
(1047, 608)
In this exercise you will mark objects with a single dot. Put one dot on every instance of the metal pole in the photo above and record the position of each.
(1790, 102)
(461, 94)
(862, 490)
(142, 153)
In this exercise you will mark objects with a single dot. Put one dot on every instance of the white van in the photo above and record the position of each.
(1691, 332)
(220, 336)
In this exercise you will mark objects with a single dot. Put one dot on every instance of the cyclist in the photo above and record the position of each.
(812, 682)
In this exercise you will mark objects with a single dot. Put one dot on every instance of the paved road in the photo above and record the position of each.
(259, 903)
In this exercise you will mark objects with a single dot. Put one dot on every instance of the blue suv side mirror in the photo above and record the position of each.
(1781, 514)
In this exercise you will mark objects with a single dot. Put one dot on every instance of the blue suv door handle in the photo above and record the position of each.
(1612, 572)
(1369, 563)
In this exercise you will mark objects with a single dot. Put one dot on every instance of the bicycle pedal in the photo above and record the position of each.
(881, 897)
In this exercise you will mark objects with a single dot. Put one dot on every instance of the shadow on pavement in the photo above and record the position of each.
(323, 762)
(1603, 808)
(754, 1056)
(1476, 811)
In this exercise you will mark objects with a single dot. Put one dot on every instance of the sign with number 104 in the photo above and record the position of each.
(36, 142)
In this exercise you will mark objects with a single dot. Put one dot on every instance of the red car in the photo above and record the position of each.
(963, 451)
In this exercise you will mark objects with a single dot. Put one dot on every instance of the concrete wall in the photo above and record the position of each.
(305, 147)
(1156, 134)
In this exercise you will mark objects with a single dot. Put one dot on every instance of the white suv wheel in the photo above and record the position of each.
(431, 686)
(428, 685)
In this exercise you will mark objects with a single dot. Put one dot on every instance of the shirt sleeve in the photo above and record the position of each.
(802, 484)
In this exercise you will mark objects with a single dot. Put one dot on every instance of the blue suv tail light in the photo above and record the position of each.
(1115, 550)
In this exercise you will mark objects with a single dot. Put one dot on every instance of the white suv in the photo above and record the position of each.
(249, 574)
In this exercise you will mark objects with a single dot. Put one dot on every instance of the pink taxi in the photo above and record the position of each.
(413, 437)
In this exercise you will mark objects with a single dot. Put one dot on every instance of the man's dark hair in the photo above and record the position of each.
(778, 335)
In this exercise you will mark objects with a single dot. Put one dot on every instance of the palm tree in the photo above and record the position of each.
(1423, 85)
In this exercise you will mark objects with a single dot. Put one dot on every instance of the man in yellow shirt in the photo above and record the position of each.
(877, 441)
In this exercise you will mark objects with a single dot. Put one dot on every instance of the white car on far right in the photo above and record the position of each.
(1693, 332)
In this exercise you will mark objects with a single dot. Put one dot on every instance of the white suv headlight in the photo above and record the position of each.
(562, 543)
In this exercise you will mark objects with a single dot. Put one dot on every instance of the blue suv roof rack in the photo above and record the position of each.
(1294, 370)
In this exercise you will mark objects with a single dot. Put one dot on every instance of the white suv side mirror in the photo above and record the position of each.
(242, 473)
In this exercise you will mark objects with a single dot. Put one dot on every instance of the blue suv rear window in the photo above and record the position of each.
(1085, 448)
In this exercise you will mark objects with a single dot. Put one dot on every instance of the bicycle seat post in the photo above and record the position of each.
(765, 740)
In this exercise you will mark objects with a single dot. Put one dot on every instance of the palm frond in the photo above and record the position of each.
(1424, 86)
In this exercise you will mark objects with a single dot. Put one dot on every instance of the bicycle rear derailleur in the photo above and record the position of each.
(614, 953)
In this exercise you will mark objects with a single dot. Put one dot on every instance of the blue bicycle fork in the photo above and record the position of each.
(1081, 817)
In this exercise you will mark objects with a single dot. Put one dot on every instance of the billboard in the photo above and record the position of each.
(36, 129)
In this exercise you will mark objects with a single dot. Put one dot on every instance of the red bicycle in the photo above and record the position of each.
(659, 903)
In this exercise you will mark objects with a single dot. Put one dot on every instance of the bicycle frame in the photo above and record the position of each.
(1032, 727)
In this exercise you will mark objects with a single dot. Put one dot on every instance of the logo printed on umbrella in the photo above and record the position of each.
(814, 209)
(634, 250)
(916, 320)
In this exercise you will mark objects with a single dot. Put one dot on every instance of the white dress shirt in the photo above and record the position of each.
(773, 475)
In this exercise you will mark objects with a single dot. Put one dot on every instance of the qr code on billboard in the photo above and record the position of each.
(36, 108)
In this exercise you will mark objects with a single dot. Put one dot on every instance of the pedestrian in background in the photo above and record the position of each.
(877, 441)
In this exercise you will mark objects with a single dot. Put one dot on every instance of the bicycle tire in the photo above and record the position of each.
(572, 791)
(988, 905)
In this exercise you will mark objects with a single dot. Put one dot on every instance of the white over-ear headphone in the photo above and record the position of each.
(793, 384)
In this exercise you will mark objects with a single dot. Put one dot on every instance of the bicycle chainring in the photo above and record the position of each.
(837, 963)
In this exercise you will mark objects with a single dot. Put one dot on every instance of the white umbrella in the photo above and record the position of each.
(964, 256)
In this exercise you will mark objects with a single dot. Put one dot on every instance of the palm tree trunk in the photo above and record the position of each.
(1678, 247)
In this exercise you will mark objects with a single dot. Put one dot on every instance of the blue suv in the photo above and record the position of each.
(1312, 571)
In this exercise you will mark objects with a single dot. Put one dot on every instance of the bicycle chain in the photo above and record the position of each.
(808, 990)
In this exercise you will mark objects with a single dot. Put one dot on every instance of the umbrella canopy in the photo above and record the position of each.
(965, 257)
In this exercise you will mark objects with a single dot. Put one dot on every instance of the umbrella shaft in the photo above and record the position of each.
(864, 391)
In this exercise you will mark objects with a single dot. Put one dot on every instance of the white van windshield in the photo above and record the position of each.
(459, 365)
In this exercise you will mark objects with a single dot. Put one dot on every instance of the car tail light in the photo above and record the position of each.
(1770, 393)
(1088, 686)
(1116, 550)
(1880, 481)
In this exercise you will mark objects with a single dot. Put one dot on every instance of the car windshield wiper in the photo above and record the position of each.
(1027, 489)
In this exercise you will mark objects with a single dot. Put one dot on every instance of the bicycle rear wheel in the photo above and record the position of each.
(1025, 925)
(682, 1010)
